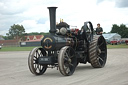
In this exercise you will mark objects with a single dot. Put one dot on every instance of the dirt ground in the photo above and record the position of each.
(14, 71)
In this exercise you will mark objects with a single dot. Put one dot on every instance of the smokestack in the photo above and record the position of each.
(52, 14)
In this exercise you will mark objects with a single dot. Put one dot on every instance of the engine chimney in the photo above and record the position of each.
(52, 14)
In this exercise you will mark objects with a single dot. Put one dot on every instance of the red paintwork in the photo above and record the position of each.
(115, 42)
(126, 41)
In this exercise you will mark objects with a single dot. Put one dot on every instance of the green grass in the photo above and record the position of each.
(30, 48)
(16, 49)
(117, 46)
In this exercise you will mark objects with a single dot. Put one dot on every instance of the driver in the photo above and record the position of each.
(99, 30)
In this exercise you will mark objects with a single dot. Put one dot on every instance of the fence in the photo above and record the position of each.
(30, 44)
(9, 43)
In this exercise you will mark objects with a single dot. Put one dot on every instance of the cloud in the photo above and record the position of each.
(32, 26)
(11, 8)
(34, 15)
(31, 12)
(118, 3)
(99, 1)
(121, 3)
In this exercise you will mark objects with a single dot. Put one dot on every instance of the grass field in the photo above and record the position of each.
(117, 46)
(30, 48)
(16, 48)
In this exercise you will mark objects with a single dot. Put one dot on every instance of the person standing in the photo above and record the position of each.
(99, 30)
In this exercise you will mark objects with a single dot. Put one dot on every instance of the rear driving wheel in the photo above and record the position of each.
(67, 61)
(98, 52)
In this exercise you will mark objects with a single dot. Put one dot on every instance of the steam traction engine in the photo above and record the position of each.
(65, 48)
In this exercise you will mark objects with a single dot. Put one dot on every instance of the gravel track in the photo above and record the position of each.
(14, 71)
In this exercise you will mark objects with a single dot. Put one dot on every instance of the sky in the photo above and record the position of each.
(34, 15)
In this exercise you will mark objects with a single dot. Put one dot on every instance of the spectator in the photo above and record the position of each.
(99, 30)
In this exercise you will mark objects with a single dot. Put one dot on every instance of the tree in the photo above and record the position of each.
(16, 32)
(35, 33)
(115, 28)
(122, 30)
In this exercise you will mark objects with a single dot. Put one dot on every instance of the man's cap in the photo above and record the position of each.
(98, 24)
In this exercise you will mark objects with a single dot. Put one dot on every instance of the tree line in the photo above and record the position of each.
(121, 29)
(17, 31)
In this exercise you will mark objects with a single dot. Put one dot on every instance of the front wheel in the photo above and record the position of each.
(33, 64)
(67, 61)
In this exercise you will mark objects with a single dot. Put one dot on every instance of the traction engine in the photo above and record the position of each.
(65, 48)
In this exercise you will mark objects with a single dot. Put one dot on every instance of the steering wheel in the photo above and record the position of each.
(87, 30)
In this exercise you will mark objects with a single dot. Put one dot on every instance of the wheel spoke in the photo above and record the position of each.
(100, 44)
(71, 56)
(102, 51)
(38, 54)
(67, 55)
(40, 68)
(69, 51)
(36, 67)
(99, 58)
(67, 70)
(35, 57)
(34, 63)
(71, 64)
